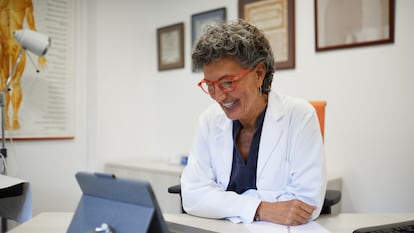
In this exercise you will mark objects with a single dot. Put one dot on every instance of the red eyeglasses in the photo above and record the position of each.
(226, 84)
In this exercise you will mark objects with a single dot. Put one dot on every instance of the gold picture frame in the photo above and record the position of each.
(276, 18)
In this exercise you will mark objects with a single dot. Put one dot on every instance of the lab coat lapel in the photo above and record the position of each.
(224, 150)
(272, 131)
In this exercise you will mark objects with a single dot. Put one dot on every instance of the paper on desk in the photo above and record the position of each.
(267, 227)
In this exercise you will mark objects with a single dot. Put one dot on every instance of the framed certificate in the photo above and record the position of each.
(345, 24)
(276, 18)
(170, 41)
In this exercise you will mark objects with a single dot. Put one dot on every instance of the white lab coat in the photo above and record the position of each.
(291, 162)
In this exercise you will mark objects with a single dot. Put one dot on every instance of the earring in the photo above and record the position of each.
(260, 90)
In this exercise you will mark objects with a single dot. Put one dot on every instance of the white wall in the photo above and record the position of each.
(127, 109)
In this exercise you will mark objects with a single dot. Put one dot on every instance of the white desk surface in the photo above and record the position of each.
(58, 222)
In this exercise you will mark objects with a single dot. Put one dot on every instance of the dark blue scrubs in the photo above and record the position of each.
(243, 174)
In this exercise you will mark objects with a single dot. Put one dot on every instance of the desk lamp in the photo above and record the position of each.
(34, 42)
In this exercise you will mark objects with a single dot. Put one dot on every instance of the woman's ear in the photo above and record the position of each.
(260, 71)
(260, 74)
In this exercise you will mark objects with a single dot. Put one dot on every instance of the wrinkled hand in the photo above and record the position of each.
(291, 213)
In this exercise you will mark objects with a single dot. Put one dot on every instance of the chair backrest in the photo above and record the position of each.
(320, 105)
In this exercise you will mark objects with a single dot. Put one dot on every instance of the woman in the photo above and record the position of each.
(257, 155)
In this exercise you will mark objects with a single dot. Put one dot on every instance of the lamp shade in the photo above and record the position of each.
(35, 42)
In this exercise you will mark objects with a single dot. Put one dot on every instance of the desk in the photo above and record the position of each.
(15, 200)
(162, 175)
(50, 222)
(342, 223)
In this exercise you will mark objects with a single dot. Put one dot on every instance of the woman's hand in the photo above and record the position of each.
(291, 213)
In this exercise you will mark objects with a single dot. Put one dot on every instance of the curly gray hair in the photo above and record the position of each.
(237, 39)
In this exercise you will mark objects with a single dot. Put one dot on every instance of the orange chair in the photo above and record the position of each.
(320, 105)
(332, 197)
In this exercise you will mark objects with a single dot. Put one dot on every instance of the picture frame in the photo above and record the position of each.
(276, 18)
(346, 24)
(170, 46)
(42, 97)
(200, 20)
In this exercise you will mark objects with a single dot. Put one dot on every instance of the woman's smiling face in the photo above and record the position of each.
(241, 103)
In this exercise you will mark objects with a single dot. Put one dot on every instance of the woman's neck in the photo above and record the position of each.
(250, 123)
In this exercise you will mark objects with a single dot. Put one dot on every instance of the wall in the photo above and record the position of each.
(127, 109)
